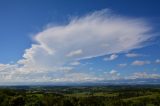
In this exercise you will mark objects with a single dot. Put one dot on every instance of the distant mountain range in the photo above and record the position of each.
(97, 83)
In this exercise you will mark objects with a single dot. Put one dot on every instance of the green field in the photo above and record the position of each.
(80, 96)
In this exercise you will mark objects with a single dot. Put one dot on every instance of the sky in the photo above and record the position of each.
(65, 41)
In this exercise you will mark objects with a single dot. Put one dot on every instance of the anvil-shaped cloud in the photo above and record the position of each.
(96, 34)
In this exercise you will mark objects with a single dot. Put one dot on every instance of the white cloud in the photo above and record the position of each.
(4, 67)
(96, 34)
(111, 75)
(74, 53)
(77, 77)
(112, 57)
(138, 75)
(140, 63)
(113, 72)
(133, 55)
(75, 63)
(123, 64)
(158, 61)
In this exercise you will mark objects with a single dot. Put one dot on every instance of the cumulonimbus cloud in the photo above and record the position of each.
(95, 34)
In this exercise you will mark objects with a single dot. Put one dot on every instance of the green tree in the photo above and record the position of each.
(17, 101)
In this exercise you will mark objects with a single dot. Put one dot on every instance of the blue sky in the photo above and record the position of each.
(79, 41)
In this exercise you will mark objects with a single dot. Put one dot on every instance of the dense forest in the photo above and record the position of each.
(80, 96)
